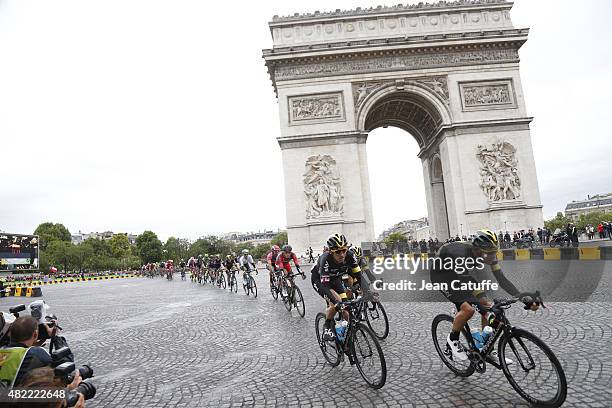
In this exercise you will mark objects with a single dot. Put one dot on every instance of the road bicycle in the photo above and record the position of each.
(535, 374)
(291, 293)
(233, 282)
(248, 284)
(359, 343)
(275, 283)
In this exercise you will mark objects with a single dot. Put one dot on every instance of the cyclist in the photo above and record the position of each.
(246, 263)
(364, 278)
(215, 265)
(229, 264)
(271, 260)
(283, 261)
(327, 278)
(484, 245)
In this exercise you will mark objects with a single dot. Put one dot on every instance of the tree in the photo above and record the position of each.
(280, 239)
(593, 219)
(120, 246)
(149, 247)
(395, 238)
(176, 248)
(560, 221)
(79, 255)
(260, 251)
(49, 232)
(59, 254)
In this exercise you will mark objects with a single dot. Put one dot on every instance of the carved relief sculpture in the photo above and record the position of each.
(499, 177)
(322, 188)
(486, 95)
(438, 85)
(497, 94)
(316, 107)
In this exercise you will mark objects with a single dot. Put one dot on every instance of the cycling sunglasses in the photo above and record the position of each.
(339, 251)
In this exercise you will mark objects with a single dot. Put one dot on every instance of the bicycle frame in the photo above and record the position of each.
(504, 329)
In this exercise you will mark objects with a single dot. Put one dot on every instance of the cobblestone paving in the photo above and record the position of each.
(154, 343)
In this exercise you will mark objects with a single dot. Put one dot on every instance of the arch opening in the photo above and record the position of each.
(421, 118)
(407, 111)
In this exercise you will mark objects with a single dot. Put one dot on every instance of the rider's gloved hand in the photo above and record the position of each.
(531, 300)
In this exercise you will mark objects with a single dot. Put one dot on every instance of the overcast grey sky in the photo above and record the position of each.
(128, 115)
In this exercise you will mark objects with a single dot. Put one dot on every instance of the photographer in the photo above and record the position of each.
(22, 355)
(45, 377)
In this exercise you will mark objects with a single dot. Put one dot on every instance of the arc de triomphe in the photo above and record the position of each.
(447, 73)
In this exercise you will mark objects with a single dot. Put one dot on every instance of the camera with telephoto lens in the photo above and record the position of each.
(67, 372)
(86, 388)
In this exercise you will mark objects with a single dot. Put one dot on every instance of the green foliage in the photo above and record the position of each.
(149, 247)
(280, 239)
(176, 249)
(49, 232)
(58, 253)
(261, 250)
(560, 221)
(593, 219)
(394, 238)
(120, 246)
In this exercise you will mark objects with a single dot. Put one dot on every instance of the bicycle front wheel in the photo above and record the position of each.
(223, 283)
(440, 329)
(253, 286)
(298, 301)
(289, 298)
(330, 349)
(377, 319)
(369, 356)
(535, 373)
(273, 291)
(234, 284)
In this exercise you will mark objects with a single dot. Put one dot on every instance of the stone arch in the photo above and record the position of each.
(455, 87)
(419, 101)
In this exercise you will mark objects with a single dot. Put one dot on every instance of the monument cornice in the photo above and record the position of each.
(390, 44)
(478, 126)
(406, 57)
(390, 22)
(378, 11)
(321, 139)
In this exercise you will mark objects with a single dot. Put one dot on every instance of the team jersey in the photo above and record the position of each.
(454, 254)
(281, 261)
(327, 266)
(272, 256)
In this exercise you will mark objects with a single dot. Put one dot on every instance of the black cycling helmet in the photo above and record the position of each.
(357, 251)
(337, 241)
(287, 248)
(486, 240)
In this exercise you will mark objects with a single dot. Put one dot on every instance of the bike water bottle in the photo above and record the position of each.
(486, 333)
(341, 329)
(477, 336)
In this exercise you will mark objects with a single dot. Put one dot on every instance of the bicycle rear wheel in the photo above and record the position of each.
(298, 301)
(369, 356)
(377, 319)
(440, 329)
(536, 373)
(330, 349)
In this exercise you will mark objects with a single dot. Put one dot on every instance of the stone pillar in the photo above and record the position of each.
(475, 199)
(314, 165)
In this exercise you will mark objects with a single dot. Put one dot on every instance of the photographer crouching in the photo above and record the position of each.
(25, 365)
